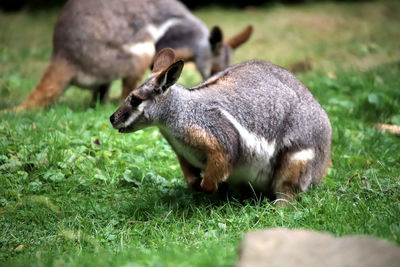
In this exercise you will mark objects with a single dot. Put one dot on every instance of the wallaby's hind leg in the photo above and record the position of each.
(56, 78)
(131, 81)
(100, 94)
(294, 174)
(128, 84)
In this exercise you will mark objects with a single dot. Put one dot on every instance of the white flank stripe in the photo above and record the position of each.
(158, 31)
(135, 114)
(254, 143)
(303, 155)
(141, 48)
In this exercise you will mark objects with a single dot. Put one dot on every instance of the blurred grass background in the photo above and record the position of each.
(323, 37)
(74, 192)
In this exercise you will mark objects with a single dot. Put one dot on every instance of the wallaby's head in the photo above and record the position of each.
(222, 50)
(134, 113)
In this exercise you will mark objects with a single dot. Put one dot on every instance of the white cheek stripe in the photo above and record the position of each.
(141, 48)
(303, 155)
(135, 114)
(257, 144)
(158, 31)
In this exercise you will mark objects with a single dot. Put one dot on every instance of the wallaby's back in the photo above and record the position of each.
(276, 97)
(96, 34)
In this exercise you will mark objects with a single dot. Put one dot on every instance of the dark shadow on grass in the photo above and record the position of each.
(180, 196)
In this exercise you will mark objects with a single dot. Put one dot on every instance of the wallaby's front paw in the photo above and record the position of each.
(195, 184)
(209, 186)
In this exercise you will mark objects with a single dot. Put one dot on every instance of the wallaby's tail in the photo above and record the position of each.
(56, 78)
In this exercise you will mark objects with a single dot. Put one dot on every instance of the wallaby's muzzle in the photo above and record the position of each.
(128, 117)
(112, 120)
(120, 119)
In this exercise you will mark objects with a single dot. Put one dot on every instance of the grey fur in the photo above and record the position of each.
(265, 99)
(91, 34)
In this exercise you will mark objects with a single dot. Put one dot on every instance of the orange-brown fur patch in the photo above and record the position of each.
(287, 177)
(217, 165)
(56, 78)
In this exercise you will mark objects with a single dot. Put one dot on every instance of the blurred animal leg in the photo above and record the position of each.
(128, 84)
(56, 78)
(100, 94)
(131, 81)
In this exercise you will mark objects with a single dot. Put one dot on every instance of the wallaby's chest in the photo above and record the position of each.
(194, 156)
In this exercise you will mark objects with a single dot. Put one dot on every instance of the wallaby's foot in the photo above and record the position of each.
(8, 110)
(16, 109)
(195, 184)
(209, 186)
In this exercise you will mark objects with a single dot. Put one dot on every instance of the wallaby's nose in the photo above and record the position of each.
(112, 119)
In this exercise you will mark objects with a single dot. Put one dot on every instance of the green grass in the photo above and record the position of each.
(74, 192)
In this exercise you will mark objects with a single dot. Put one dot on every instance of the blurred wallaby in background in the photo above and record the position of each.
(253, 125)
(98, 41)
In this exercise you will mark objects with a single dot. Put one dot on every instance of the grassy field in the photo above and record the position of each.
(74, 192)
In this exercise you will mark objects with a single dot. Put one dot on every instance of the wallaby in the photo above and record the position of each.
(253, 124)
(98, 41)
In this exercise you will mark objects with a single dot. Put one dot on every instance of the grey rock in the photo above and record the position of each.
(281, 247)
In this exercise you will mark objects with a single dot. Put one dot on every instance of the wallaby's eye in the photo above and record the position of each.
(135, 101)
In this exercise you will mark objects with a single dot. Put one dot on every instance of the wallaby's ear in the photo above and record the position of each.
(241, 37)
(216, 39)
(170, 76)
(163, 59)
